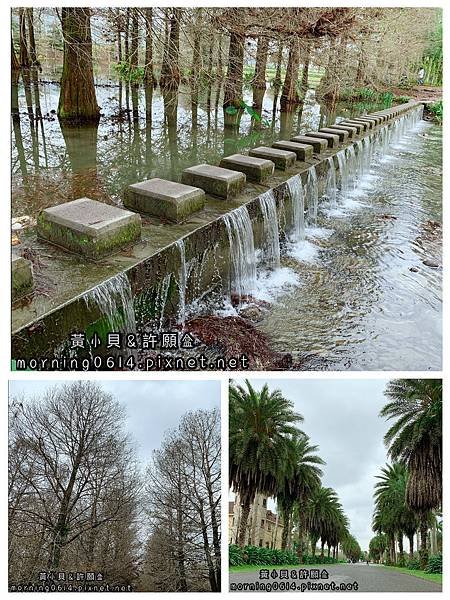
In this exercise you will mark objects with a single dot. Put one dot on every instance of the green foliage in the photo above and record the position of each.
(254, 555)
(437, 109)
(235, 558)
(308, 559)
(434, 564)
(248, 76)
(413, 564)
(128, 73)
(233, 110)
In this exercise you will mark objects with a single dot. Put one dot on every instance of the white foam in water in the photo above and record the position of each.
(272, 284)
(114, 300)
(312, 194)
(319, 233)
(304, 251)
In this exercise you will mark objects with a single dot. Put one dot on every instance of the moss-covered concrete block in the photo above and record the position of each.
(341, 133)
(352, 131)
(319, 144)
(21, 277)
(217, 181)
(255, 169)
(162, 198)
(90, 228)
(303, 151)
(282, 159)
(331, 138)
(361, 127)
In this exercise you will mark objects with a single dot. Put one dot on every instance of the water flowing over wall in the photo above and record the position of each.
(221, 255)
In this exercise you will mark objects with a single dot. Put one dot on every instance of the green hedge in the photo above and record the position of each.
(434, 564)
(255, 555)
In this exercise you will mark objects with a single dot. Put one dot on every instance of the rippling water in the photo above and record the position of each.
(367, 301)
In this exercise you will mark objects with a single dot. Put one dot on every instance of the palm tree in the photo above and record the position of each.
(415, 439)
(377, 547)
(393, 516)
(262, 425)
(320, 512)
(296, 489)
(351, 548)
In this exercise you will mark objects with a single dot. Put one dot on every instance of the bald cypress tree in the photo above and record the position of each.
(77, 100)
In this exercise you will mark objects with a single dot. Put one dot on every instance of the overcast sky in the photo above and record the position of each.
(152, 407)
(341, 417)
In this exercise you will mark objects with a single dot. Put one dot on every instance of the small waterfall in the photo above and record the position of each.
(296, 194)
(242, 251)
(312, 194)
(114, 299)
(330, 184)
(271, 235)
(161, 299)
(182, 281)
(343, 172)
(352, 168)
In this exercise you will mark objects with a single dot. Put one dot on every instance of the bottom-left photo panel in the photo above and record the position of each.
(114, 486)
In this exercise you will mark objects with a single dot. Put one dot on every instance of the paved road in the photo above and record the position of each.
(369, 578)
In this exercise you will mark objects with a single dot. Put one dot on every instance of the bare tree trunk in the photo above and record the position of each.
(305, 72)
(134, 54)
(77, 100)
(289, 95)
(400, 549)
(24, 58)
(148, 67)
(33, 53)
(170, 72)
(285, 534)
(235, 71)
(259, 80)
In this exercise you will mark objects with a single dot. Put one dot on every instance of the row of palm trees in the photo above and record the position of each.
(270, 455)
(409, 491)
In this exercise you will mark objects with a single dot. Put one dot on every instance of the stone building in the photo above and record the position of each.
(264, 527)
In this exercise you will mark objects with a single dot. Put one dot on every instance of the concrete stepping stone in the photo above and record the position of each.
(360, 126)
(256, 169)
(370, 122)
(21, 277)
(217, 181)
(352, 131)
(303, 151)
(319, 144)
(332, 138)
(90, 228)
(341, 133)
(283, 159)
(163, 198)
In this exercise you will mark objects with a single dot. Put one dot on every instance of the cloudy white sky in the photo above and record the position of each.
(152, 407)
(341, 417)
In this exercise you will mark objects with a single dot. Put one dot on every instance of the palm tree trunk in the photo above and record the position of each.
(401, 560)
(411, 546)
(246, 503)
(423, 552)
(285, 534)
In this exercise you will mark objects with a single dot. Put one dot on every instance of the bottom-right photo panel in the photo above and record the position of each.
(335, 485)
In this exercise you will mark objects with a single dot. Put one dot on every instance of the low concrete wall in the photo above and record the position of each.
(208, 244)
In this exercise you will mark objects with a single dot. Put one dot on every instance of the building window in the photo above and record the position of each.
(233, 521)
(262, 522)
(269, 527)
(260, 543)
(264, 502)
(267, 545)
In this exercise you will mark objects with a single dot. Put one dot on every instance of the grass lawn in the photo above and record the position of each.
(436, 577)
(250, 568)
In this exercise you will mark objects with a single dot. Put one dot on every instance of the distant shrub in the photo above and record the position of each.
(437, 110)
(434, 564)
(413, 564)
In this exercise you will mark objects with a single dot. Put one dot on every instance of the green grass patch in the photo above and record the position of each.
(253, 568)
(436, 577)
